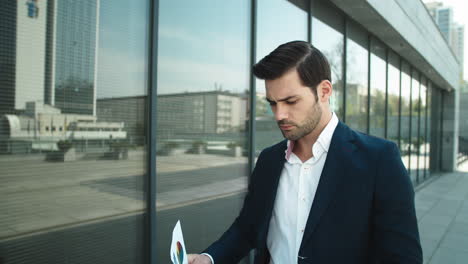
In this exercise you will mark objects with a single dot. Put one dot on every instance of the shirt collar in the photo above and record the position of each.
(322, 142)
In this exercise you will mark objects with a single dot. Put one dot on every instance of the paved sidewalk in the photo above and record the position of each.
(442, 210)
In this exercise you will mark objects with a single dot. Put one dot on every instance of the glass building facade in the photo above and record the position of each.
(148, 113)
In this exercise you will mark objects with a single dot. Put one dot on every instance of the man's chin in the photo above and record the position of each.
(290, 136)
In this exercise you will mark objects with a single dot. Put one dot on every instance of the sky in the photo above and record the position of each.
(459, 16)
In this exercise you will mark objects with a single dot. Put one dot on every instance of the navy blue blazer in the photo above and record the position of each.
(363, 210)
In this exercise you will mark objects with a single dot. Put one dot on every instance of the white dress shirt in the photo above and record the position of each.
(296, 191)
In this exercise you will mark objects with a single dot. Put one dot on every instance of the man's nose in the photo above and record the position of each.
(281, 113)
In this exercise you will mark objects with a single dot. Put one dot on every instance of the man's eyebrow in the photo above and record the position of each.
(281, 100)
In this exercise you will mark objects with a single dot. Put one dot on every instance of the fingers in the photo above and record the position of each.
(191, 258)
(198, 259)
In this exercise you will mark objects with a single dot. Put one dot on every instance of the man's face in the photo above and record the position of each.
(296, 109)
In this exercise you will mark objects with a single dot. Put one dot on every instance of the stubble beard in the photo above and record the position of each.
(313, 118)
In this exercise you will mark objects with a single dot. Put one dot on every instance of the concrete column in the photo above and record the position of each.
(449, 148)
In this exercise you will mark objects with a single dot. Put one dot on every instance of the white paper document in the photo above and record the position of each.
(178, 253)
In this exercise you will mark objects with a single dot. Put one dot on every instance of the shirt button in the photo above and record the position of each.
(302, 230)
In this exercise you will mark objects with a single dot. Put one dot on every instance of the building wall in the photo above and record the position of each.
(407, 28)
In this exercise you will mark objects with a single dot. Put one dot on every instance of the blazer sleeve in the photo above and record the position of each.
(396, 235)
(238, 240)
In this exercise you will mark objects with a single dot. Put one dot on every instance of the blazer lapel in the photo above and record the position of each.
(272, 173)
(333, 170)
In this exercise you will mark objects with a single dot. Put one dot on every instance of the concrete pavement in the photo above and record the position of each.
(442, 210)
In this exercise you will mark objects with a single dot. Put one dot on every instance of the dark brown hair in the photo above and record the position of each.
(310, 63)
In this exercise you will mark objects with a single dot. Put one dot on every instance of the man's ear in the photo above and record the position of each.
(324, 91)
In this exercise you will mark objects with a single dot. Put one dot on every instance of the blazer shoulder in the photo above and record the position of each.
(372, 143)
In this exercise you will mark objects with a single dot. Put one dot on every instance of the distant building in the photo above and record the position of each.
(452, 32)
(458, 44)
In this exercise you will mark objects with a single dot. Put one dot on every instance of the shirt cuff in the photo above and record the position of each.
(208, 255)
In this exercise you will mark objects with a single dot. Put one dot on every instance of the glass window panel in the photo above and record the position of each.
(414, 127)
(422, 144)
(272, 32)
(356, 78)
(327, 36)
(73, 131)
(393, 109)
(202, 112)
(405, 114)
(377, 89)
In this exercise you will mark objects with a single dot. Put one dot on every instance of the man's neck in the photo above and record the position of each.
(303, 146)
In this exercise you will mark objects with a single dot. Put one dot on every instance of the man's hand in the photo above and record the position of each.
(198, 259)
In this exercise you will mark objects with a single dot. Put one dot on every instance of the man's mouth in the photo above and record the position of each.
(286, 127)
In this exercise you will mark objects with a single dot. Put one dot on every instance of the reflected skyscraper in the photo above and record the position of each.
(72, 37)
(22, 53)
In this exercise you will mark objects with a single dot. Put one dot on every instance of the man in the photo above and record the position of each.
(326, 194)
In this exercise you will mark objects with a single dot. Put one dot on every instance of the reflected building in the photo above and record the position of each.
(23, 25)
(41, 126)
(213, 112)
(180, 115)
(72, 37)
(48, 84)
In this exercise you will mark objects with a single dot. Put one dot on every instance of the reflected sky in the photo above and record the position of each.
(203, 46)
(122, 51)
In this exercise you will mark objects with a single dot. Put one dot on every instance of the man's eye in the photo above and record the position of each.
(291, 102)
(272, 103)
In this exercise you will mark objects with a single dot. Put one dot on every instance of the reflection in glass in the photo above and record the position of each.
(356, 82)
(327, 36)
(377, 89)
(203, 76)
(72, 154)
(393, 109)
(405, 114)
(414, 127)
(272, 32)
(423, 155)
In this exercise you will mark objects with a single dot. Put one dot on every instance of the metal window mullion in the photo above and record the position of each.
(368, 80)
(410, 120)
(425, 129)
(151, 131)
(345, 54)
(253, 94)
(309, 21)
(253, 98)
(400, 67)
(442, 105)
(386, 94)
(418, 129)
